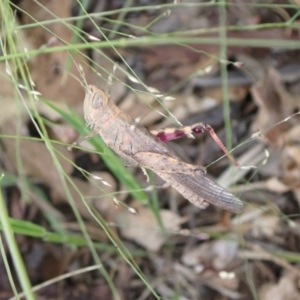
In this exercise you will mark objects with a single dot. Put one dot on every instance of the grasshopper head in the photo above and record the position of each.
(94, 103)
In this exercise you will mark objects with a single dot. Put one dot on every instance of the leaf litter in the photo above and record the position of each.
(263, 92)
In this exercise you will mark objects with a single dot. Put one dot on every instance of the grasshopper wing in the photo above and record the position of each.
(189, 180)
(200, 189)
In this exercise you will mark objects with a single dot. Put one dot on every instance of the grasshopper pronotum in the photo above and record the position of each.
(145, 149)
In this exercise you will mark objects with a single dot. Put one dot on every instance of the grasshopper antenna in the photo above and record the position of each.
(77, 65)
(80, 70)
(85, 86)
(110, 80)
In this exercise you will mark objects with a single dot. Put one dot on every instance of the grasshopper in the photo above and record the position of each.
(147, 150)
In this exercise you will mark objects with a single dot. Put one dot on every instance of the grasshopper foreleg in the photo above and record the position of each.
(169, 134)
(81, 139)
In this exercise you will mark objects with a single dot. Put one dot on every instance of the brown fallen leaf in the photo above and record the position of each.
(292, 136)
(35, 157)
(51, 72)
(219, 254)
(287, 288)
(291, 170)
(275, 104)
(12, 107)
(225, 285)
(38, 163)
(143, 228)
(266, 226)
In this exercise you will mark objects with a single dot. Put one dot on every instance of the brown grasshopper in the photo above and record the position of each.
(145, 149)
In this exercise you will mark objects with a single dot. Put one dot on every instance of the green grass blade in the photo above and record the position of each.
(14, 251)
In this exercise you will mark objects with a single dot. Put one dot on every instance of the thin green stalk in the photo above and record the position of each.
(163, 39)
(226, 104)
(14, 251)
(7, 268)
(224, 74)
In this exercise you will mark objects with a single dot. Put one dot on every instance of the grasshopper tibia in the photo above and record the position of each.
(169, 134)
(201, 127)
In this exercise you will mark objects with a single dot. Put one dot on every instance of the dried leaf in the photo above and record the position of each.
(198, 255)
(143, 228)
(219, 253)
(51, 72)
(225, 286)
(225, 251)
(287, 288)
(12, 107)
(265, 227)
(275, 104)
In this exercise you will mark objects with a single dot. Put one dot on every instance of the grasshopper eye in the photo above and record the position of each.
(97, 101)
